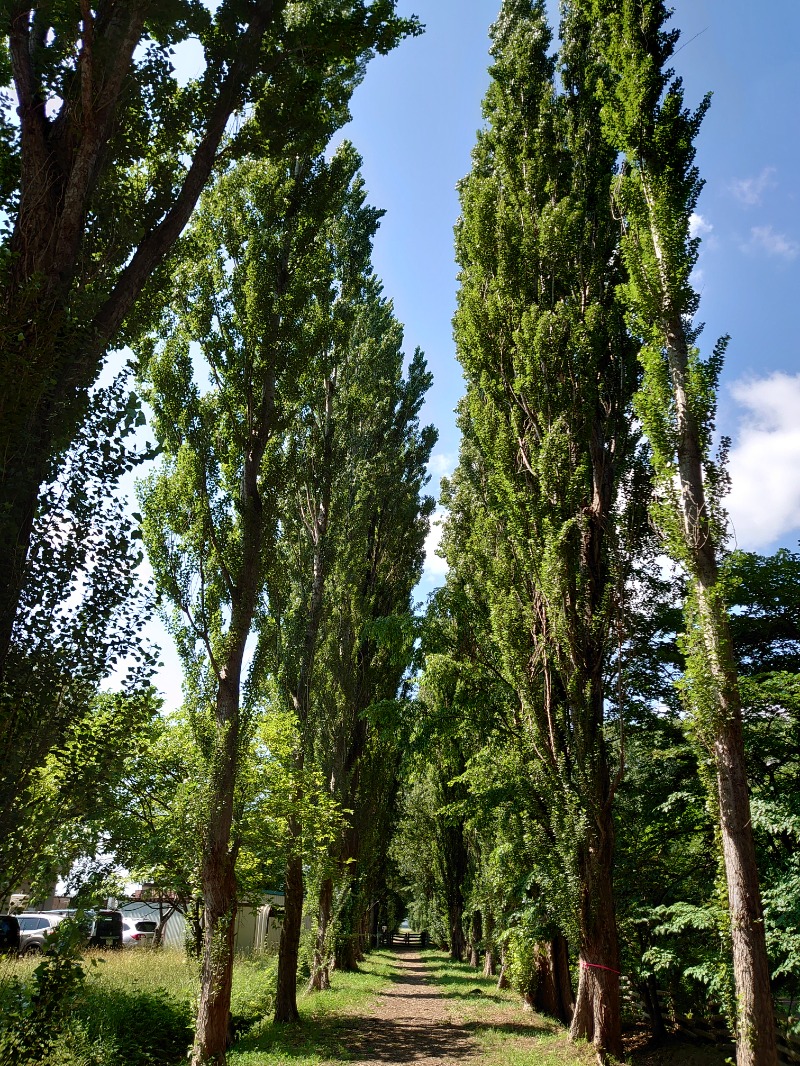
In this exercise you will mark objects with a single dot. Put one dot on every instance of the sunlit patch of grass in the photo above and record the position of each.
(318, 1037)
(511, 1036)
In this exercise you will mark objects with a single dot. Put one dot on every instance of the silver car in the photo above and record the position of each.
(35, 927)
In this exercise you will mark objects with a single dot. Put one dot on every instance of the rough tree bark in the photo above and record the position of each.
(219, 891)
(458, 942)
(288, 951)
(347, 952)
(475, 938)
(320, 971)
(489, 960)
(454, 866)
(596, 1016)
(219, 851)
(553, 993)
(502, 978)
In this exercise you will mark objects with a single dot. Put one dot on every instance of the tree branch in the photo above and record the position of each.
(158, 242)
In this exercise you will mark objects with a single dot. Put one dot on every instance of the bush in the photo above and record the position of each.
(35, 1011)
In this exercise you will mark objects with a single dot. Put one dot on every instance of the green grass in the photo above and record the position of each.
(317, 1037)
(509, 1036)
(137, 1009)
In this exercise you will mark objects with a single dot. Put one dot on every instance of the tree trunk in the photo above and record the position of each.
(488, 939)
(475, 938)
(346, 949)
(755, 1035)
(553, 994)
(502, 978)
(596, 1016)
(288, 952)
(213, 1012)
(194, 930)
(163, 918)
(649, 993)
(320, 972)
(458, 941)
(218, 871)
(219, 886)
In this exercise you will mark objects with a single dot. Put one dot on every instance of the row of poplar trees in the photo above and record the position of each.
(286, 527)
(586, 397)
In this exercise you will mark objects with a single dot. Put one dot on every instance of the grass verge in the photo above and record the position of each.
(511, 1036)
(505, 1034)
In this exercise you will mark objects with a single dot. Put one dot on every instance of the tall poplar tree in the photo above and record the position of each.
(350, 551)
(550, 375)
(646, 121)
(380, 521)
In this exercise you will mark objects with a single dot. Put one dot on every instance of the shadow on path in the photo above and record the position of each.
(382, 1040)
(409, 1023)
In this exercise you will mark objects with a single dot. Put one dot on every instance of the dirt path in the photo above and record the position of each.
(409, 1022)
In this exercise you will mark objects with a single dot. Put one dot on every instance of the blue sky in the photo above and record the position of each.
(414, 122)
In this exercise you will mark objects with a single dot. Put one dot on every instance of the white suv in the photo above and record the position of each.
(137, 932)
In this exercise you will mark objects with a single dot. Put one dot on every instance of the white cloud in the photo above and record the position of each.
(765, 239)
(435, 566)
(442, 464)
(699, 226)
(764, 503)
(750, 191)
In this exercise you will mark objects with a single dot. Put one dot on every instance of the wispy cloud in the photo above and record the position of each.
(699, 226)
(435, 566)
(766, 239)
(750, 191)
(442, 464)
(764, 502)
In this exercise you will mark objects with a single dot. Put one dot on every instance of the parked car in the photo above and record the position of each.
(103, 929)
(9, 934)
(35, 927)
(106, 929)
(137, 932)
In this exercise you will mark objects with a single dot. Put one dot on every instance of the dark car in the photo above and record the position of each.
(106, 929)
(9, 934)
